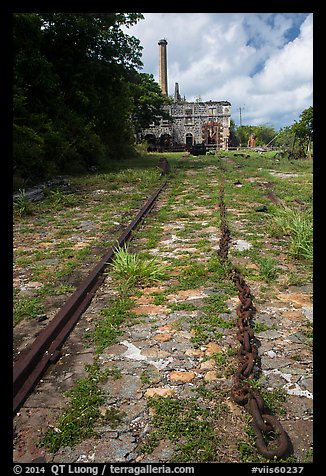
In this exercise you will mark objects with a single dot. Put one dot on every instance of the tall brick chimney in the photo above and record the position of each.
(163, 73)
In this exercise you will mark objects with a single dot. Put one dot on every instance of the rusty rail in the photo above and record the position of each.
(32, 363)
(264, 424)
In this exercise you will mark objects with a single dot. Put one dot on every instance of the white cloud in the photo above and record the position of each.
(262, 61)
(289, 66)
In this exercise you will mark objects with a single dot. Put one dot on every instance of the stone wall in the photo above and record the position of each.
(188, 121)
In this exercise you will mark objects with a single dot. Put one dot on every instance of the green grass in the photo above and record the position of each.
(78, 420)
(194, 276)
(127, 184)
(22, 206)
(59, 199)
(191, 425)
(107, 329)
(188, 425)
(209, 325)
(134, 269)
(268, 268)
(27, 308)
(298, 225)
(273, 401)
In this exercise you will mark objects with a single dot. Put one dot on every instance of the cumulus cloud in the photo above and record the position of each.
(261, 62)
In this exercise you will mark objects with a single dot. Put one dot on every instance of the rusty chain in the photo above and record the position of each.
(264, 424)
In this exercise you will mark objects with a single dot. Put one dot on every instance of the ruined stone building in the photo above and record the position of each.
(193, 123)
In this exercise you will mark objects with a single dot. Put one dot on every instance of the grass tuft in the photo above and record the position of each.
(299, 226)
(135, 269)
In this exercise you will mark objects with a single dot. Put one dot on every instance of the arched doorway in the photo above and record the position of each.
(152, 142)
(189, 139)
(166, 141)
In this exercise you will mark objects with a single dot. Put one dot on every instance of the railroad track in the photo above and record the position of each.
(30, 366)
(45, 350)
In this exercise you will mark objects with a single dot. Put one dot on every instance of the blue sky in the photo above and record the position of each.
(261, 62)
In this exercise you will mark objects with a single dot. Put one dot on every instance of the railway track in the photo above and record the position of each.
(163, 355)
(33, 362)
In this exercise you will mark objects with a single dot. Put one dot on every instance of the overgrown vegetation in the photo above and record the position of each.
(78, 420)
(189, 425)
(78, 96)
(295, 141)
(298, 225)
(107, 329)
(135, 269)
(21, 205)
(27, 308)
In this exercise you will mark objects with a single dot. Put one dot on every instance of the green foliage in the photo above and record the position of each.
(78, 98)
(22, 206)
(108, 329)
(78, 420)
(134, 269)
(264, 134)
(296, 139)
(234, 139)
(267, 268)
(147, 101)
(298, 225)
(187, 424)
(27, 307)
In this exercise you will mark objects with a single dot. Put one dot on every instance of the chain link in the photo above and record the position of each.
(266, 427)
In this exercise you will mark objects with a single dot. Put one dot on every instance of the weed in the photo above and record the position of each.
(307, 330)
(194, 275)
(59, 198)
(307, 456)
(261, 327)
(246, 451)
(152, 236)
(22, 206)
(267, 268)
(108, 328)
(147, 176)
(209, 323)
(145, 378)
(51, 290)
(224, 363)
(135, 269)
(204, 392)
(220, 270)
(298, 225)
(189, 425)
(182, 306)
(273, 399)
(67, 269)
(159, 298)
(27, 307)
(114, 372)
(78, 420)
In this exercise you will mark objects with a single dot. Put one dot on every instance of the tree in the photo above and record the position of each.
(36, 97)
(303, 130)
(296, 139)
(147, 101)
(234, 140)
(94, 59)
(71, 96)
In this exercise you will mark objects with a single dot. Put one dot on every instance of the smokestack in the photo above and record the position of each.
(163, 73)
(177, 97)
